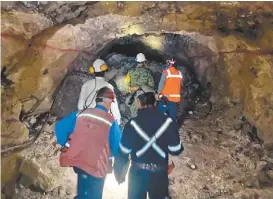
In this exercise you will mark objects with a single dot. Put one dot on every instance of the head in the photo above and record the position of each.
(170, 62)
(145, 98)
(105, 97)
(140, 59)
(98, 68)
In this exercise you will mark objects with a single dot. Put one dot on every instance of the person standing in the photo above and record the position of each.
(170, 86)
(90, 88)
(137, 77)
(89, 148)
(148, 138)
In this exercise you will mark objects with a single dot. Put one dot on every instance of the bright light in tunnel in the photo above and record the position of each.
(113, 190)
(153, 42)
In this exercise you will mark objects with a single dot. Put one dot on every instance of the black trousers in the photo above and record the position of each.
(142, 182)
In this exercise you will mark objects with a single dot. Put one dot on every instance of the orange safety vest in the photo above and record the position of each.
(173, 82)
(89, 143)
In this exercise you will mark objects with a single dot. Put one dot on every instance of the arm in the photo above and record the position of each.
(114, 107)
(82, 97)
(175, 146)
(114, 138)
(65, 127)
(121, 163)
(161, 83)
(115, 111)
(127, 81)
(151, 82)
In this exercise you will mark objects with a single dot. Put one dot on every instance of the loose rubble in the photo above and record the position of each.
(222, 157)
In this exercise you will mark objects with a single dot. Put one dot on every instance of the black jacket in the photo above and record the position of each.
(150, 120)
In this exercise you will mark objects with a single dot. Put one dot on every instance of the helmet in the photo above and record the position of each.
(143, 90)
(98, 66)
(140, 57)
(170, 61)
(140, 91)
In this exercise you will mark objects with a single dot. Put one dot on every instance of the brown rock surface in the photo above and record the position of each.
(37, 55)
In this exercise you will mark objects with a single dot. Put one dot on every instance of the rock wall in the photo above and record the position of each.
(39, 43)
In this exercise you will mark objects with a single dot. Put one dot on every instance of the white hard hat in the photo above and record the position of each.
(98, 66)
(140, 57)
(144, 89)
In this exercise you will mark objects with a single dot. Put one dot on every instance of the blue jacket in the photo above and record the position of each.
(65, 127)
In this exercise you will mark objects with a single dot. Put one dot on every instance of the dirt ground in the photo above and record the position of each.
(221, 160)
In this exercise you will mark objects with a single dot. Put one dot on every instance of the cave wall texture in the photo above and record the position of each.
(39, 41)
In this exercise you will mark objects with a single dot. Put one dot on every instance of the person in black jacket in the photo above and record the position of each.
(148, 138)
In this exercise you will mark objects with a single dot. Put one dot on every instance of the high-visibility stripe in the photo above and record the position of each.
(124, 149)
(170, 75)
(95, 117)
(157, 135)
(171, 95)
(175, 148)
(147, 138)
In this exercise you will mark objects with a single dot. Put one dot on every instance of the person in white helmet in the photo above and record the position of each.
(90, 88)
(137, 77)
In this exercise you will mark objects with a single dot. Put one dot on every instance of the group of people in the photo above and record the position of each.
(92, 139)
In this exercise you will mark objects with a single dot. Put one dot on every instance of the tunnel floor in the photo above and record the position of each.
(222, 157)
(220, 160)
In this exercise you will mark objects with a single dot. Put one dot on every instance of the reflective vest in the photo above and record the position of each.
(89, 143)
(173, 82)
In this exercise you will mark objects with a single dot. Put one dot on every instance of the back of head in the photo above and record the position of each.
(105, 94)
(171, 62)
(146, 96)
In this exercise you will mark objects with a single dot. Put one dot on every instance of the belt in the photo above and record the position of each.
(150, 166)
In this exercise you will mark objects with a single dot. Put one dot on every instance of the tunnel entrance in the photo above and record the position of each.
(120, 53)
(214, 140)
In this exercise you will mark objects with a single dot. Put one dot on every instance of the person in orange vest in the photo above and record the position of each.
(170, 86)
(89, 149)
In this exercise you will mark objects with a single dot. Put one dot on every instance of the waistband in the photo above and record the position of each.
(150, 166)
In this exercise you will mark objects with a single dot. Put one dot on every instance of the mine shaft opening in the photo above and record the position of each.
(120, 54)
(193, 89)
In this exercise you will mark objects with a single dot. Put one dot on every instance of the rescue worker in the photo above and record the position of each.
(95, 138)
(137, 77)
(90, 87)
(148, 139)
(170, 86)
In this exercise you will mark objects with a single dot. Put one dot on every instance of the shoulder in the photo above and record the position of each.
(128, 124)
(109, 85)
(132, 70)
(104, 83)
(88, 82)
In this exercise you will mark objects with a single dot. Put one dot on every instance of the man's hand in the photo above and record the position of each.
(157, 96)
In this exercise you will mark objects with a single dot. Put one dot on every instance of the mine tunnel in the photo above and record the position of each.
(225, 117)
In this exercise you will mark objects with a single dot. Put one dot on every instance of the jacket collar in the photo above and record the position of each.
(101, 107)
(144, 110)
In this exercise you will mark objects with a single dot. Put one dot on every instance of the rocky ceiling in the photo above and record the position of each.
(40, 42)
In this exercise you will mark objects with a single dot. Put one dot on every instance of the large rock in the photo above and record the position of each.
(9, 167)
(39, 176)
(68, 95)
(249, 81)
(17, 28)
(13, 131)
